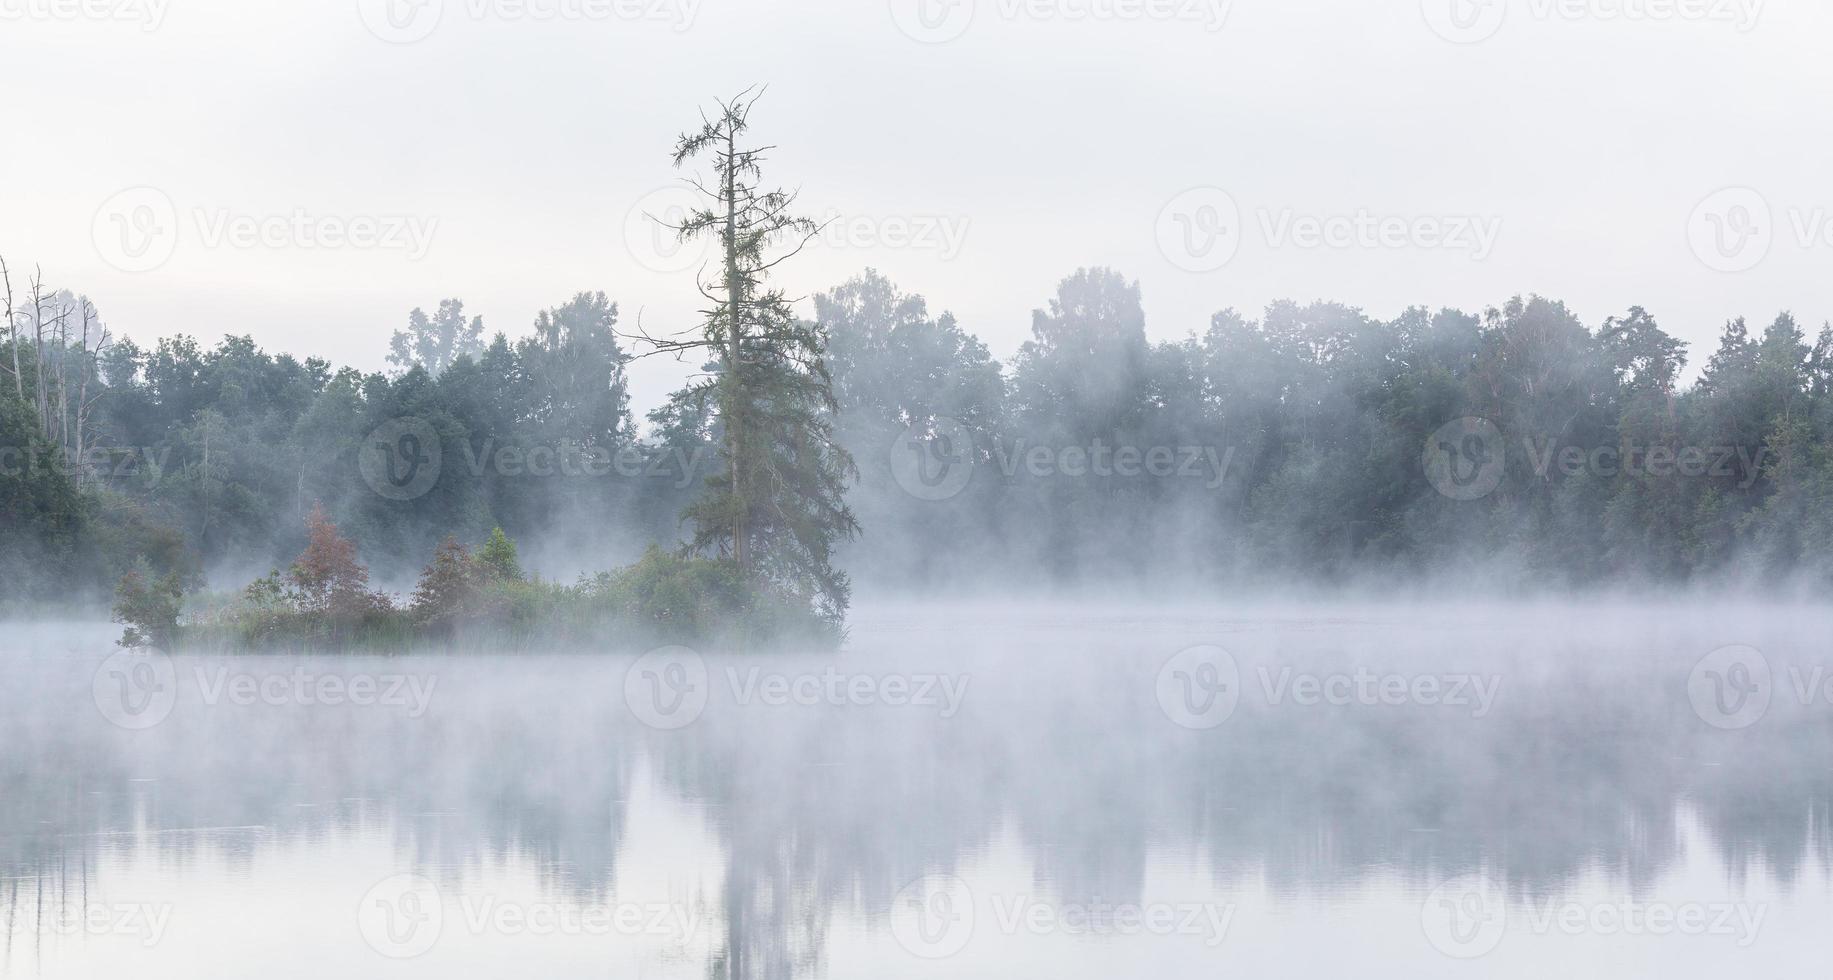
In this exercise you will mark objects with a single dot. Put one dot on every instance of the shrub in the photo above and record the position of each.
(448, 587)
(328, 576)
(484, 600)
(688, 599)
(149, 606)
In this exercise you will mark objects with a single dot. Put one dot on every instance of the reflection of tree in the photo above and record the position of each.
(821, 810)
(496, 777)
(829, 811)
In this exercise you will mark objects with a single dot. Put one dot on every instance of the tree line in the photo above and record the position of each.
(880, 441)
(1319, 413)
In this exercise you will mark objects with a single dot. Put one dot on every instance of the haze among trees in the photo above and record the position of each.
(1280, 447)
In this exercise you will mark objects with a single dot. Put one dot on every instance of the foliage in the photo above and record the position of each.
(1317, 417)
(322, 599)
(680, 598)
(149, 605)
(434, 343)
(1283, 446)
(663, 598)
(42, 513)
(498, 557)
(448, 587)
(328, 579)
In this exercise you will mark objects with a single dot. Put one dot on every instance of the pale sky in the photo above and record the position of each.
(979, 150)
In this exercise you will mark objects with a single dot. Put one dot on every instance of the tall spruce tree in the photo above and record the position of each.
(778, 508)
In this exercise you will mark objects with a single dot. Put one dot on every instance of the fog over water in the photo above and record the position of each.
(963, 790)
(915, 489)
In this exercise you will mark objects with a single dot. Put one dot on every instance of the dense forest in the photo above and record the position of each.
(264, 498)
(208, 460)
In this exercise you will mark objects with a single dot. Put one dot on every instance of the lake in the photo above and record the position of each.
(979, 790)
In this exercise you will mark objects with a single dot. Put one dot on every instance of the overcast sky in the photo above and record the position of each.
(308, 172)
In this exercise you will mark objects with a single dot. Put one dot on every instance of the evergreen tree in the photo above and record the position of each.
(777, 510)
(498, 555)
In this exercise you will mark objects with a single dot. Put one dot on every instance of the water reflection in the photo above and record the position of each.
(793, 823)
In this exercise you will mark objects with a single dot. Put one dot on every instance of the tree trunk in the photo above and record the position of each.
(734, 335)
(82, 390)
(12, 330)
(40, 400)
(203, 531)
(60, 349)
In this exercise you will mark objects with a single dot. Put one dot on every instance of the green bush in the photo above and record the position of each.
(686, 599)
(148, 605)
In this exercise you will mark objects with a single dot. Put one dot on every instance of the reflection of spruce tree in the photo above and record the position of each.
(777, 510)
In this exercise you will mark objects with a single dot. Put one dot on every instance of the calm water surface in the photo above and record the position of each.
(976, 791)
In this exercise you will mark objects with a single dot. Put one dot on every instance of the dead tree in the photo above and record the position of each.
(88, 367)
(12, 329)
